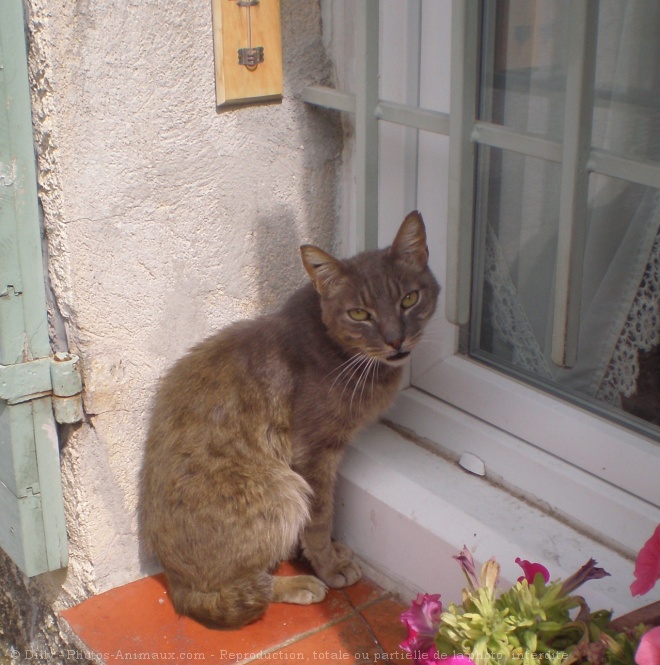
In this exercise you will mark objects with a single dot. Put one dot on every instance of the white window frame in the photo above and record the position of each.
(595, 474)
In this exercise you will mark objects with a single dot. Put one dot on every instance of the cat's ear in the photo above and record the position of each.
(324, 270)
(410, 242)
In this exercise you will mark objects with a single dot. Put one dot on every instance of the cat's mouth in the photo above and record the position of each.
(398, 356)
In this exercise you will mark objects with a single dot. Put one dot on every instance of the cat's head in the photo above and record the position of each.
(377, 303)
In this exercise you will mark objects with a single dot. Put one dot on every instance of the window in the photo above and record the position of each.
(565, 290)
(519, 174)
(535, 187)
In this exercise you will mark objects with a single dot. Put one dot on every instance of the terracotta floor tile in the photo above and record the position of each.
(349, 642)
(384, 620)
(138, 621)
(362, 592)
(139, 618)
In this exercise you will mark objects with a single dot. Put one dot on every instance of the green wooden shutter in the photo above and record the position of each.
(32, 526)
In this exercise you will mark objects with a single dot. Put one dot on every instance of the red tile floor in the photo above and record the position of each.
(359, 624)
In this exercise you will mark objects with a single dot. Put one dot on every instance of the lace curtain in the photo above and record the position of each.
(640, 332)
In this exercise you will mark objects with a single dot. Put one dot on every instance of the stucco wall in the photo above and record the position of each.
(164, 220)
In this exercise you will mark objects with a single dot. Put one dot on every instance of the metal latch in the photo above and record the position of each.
(58, 376)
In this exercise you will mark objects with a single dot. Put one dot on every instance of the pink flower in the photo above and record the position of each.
(648, 651)
(647, 566)
(422, 621)
(531, 570)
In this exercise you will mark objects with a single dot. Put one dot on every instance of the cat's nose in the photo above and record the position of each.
(396, 344)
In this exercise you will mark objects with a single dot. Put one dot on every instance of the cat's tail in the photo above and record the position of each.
(236, 604)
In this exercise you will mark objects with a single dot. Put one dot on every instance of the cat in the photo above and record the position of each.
(248, 429)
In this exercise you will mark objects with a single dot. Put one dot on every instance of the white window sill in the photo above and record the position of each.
(406, 511)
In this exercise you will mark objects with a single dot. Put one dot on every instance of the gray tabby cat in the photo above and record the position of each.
(249, 427)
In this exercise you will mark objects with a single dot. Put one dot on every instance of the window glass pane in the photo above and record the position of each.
(517, 235)
(517, 219)
(524, 65)
(627, 93)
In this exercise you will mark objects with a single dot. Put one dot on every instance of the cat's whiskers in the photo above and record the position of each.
(358, 368)
(362, 379)
(431, 335)
(351, 359)
(344, 367)
(374, 375)
(434, 326)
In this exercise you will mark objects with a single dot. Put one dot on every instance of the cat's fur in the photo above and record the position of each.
(248, 430)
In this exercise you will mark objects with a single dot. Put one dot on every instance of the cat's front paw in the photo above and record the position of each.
(298, 589)
(344, 574)
(341, 569)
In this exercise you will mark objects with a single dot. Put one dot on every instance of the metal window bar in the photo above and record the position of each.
(367, 25)
(399, 114)
(462, 158)
(368, 110)
(599, 161)
(574, 187)
(465, 132)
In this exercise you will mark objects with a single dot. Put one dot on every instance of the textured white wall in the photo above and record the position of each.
(164, 220)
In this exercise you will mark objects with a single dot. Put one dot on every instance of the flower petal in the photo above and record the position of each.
(647, 566)
(467, 564)
(586, 573)
(648, 651)
(422, 621)
(531, 570)
(490, 574)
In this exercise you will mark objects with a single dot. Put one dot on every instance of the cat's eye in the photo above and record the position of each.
(358, 314)
(409, 300)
